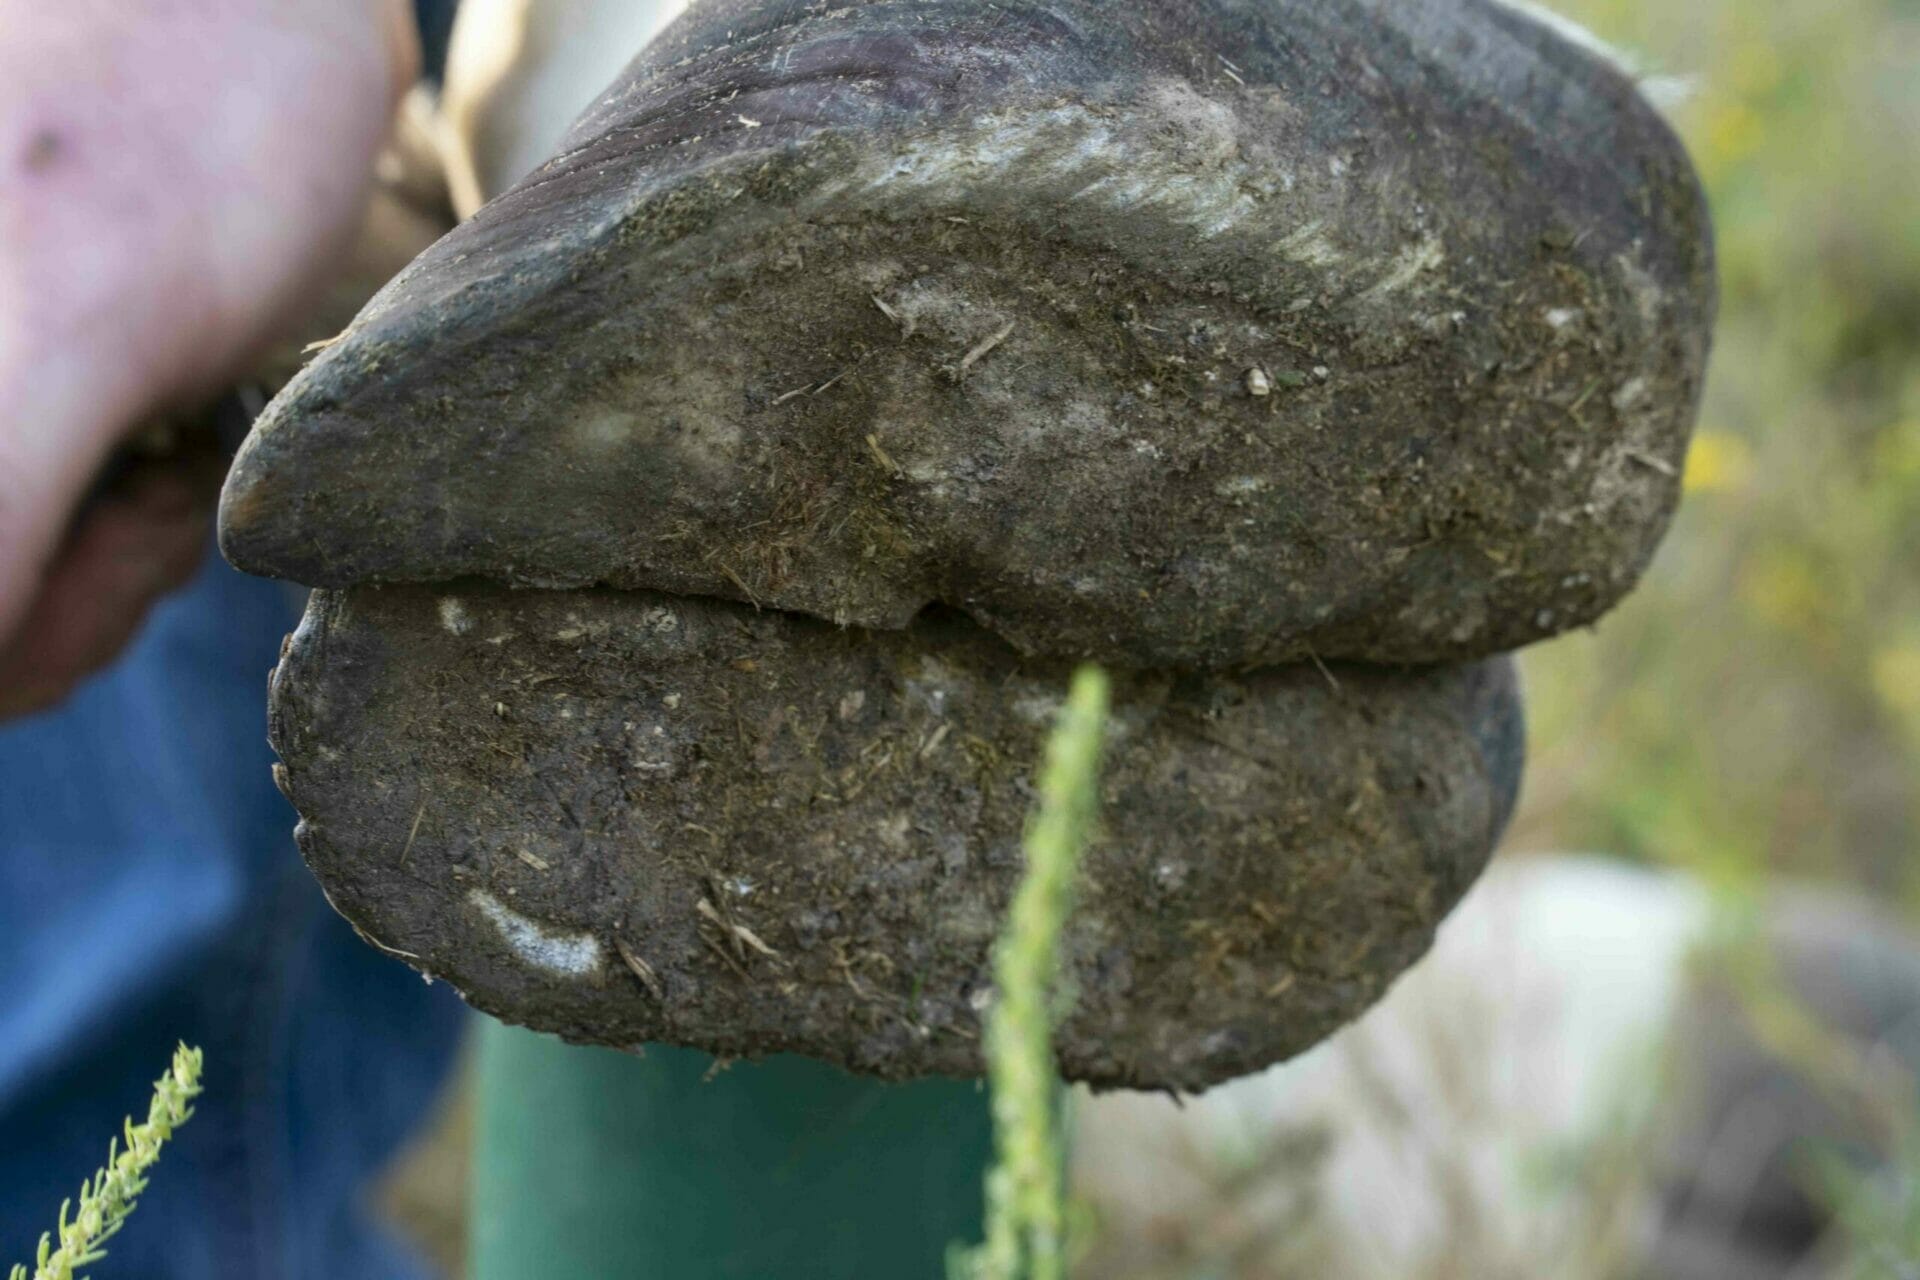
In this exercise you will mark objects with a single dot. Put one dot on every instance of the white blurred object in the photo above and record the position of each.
(1552, 981)
(1518, 1106)
(520, 71)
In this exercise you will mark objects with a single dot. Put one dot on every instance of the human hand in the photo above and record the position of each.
(173, 177)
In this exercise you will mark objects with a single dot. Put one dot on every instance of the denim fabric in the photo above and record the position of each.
(150, 892)
(436, 25)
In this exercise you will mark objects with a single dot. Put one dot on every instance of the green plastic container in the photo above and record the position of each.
(596, 1165)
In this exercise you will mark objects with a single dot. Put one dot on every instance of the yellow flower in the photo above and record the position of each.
(1719, 462)
(1783, 589)
(1896, 678)
(1732, 132)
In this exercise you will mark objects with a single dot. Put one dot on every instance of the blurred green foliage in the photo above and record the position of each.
(1879, 1211)
(1755, 707)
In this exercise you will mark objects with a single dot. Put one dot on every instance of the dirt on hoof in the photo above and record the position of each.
(1193, 334)
(628, 817)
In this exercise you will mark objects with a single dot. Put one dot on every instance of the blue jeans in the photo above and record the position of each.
(436, 26)
(150, 892)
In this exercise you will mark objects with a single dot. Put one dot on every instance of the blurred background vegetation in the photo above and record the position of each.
(1755, 707)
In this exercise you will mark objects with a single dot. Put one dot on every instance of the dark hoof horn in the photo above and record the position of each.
(1199, 333)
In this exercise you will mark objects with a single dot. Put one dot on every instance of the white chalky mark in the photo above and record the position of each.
(1648, 297)
(1037, 708)
(1412, 262)
(1203, 183)
(1631, 394)
(454, 616)
(1309, 246)
(607, 430)
(570, 955)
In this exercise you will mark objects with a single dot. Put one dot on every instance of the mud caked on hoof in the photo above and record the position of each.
(852, 371)
(628, 817)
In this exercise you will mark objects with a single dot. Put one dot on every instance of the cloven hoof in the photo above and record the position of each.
(1192, 334)
(708, 526)
(629, 817)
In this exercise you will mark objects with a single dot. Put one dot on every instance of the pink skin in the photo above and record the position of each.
(174, 174)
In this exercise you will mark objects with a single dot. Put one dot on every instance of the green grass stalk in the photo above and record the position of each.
(113, 1193)
(1026, 1189)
